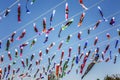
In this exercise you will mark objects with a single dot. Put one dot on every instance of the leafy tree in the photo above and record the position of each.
(98, 79)
(113, 77)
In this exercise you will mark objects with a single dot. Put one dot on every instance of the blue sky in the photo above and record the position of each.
(41, 9)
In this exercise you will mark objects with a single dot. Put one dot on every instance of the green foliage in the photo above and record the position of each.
(113, 77)
(98, 79)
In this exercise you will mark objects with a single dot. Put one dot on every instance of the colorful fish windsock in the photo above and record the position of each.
(8, 44)
(81, 19)
(116, 44)
(57, 70)
(33, 42)
(82, 4)
(26, 6)
(79, 35)
(9, 55)
(108, 36)
(22, 35)
(60, 45)
(68, 38)
(89, 30)
(44, 25)
(67, 24)
(33, 1)
(118, 30)
(90, 66)
(6, 12)
(95, 41)
(19, 12)
(66, 11)
(101, 13)
(0, 44)
(51, 17)
(112, 21)
(12, 36)
(97, 24)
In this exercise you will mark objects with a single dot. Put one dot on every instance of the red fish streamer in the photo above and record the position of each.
(81, 19)
(22, 35)
(82, 4)
(19, 13)
(66, 11)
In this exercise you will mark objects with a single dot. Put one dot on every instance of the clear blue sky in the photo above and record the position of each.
(44, 8)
